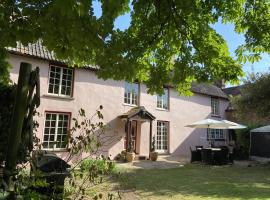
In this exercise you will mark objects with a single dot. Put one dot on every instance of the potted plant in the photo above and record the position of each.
(130, 155)
(153, 152)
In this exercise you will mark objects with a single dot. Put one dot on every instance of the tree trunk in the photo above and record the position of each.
(16, 125)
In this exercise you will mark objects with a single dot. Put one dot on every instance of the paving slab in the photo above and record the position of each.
(163, 162)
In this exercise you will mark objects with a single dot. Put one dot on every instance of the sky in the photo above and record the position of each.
(226, 30)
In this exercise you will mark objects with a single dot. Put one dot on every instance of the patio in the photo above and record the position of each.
(163, 162)
(168, 162)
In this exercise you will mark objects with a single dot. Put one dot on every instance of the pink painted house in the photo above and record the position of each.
(126, 106)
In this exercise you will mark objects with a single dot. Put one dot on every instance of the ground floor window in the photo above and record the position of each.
(55, 131)
(162, 135)
(215, 134)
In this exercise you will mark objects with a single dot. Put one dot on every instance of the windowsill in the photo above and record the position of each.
(216, 140)
(163, 109)
(130, 105)
(56, 150)
(57, 97)
(217, 116)
(163, 153)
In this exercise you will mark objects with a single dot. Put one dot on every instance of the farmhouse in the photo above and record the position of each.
(126, 107)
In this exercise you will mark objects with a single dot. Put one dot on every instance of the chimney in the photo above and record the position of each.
(220, 83)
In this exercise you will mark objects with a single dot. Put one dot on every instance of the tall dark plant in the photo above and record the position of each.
(153, 144)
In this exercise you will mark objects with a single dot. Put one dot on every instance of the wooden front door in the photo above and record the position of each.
(133, 131)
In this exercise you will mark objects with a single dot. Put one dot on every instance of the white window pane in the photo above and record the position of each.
(162, 135)
(60, 81)
(56, 126)
(162, 100)
(131, 93)
(214, 106)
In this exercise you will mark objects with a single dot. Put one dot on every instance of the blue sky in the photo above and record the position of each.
(226, 30)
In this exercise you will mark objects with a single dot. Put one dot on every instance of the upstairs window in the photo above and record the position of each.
(215, 134)
(55, 131)
(215, 106)
(163, 100)
(131, 93)
(60, 81)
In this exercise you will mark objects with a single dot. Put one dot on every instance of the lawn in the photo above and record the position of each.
(191, 182)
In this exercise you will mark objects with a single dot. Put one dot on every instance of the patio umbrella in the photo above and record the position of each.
(233, 125)
(210, 123)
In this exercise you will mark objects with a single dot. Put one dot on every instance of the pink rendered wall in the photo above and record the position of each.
(90, 92)
(183, 111)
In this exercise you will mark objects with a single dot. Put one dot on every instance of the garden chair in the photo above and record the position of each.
(195, 155)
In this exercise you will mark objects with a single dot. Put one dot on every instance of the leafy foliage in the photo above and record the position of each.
(86, 134)
(85, 140)
(241, 150)
(4, 67)
(87, 137)
(254, 104)
(167, 41)
(7, 94)
(101, 165)
(153, 144)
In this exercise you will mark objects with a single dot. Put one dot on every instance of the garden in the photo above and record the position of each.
(191, 181)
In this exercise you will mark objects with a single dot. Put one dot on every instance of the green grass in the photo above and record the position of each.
(191, 182)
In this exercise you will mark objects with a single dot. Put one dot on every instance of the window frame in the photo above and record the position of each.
(167, 124)
(69, 114)
(215, 107)
(162, 100)
(131, 94)
(60, 81)
(216, 132)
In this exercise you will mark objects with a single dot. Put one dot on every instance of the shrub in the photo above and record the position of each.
(6, 107)
(243, 142)
(101, 166)
(121, 156)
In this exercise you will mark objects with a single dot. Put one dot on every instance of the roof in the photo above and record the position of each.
(138, 111)
(208, 89)
(264, 129)
(37, 50)
(234, 91)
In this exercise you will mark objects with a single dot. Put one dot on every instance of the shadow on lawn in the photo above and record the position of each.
(199, 181)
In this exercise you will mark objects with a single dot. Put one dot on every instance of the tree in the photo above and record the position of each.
(253, 105)
(168, 41)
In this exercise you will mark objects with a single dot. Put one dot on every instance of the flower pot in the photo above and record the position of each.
(130, 156)
(153, 156)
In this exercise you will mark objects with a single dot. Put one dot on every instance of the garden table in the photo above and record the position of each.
(214, 156)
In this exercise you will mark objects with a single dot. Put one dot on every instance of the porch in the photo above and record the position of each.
(138, 131)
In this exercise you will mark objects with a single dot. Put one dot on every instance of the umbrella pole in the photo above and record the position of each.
(209, 135)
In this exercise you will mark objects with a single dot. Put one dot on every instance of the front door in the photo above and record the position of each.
(133, 131)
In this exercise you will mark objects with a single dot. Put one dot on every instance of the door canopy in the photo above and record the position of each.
(139, 111)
